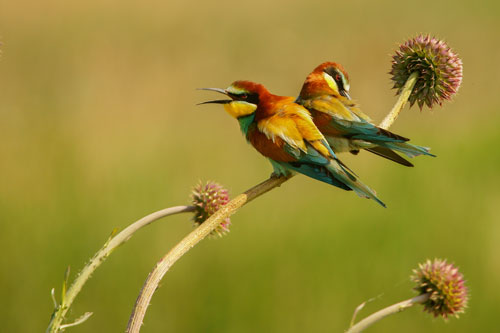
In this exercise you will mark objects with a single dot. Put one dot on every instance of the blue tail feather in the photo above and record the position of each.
(368, 132)
(333, 173)
(407, 148)
(356, 185)
(317, 172)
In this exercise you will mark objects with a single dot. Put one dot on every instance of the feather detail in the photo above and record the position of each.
(346, 135)
(317, 172)
(284, 128)
(408, 149)
(271, 149)
(390, 155)
(339, 172)
(333, 107)
(294, 125)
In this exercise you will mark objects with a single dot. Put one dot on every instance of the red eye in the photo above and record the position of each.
(337, 77)
(244, 96)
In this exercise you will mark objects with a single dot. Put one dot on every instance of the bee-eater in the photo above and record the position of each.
(325, 94)
(284, 132)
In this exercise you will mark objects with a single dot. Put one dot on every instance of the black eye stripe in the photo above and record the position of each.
(251, 98)
(337, 77)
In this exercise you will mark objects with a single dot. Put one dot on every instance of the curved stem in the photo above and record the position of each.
(101, 255)
(188, 242)
(401, 102)
(395, 308)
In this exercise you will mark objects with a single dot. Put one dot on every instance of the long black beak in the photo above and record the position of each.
(219, 90)
(219, 101)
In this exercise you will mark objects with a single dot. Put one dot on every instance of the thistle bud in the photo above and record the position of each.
(207, 199)
(446, 286)
(439, 70)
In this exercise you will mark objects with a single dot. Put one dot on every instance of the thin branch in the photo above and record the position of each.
(361, 307)
(395, 308)
(188, 242)
(53, 296)
(401, 102)
(356, 311)
(101, 255)
(78, 321)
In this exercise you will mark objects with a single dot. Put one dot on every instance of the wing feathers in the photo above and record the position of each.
(292, 130)
(390, 155)
(294, 125)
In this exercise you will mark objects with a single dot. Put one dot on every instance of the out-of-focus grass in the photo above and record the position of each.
(99, 127)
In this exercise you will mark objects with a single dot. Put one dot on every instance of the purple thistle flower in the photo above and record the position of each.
(439, 68)
(446, 286)
(207, 199)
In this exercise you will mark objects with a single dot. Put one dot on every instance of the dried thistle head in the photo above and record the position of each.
(207, 199)
(446, 286)
(439, 70)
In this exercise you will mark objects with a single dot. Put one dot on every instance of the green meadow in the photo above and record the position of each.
(99, 127)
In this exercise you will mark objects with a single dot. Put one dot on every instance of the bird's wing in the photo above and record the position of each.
(333, 106)
(335, 118)
(294, 125)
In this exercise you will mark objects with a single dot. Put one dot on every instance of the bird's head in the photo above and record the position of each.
(244, 97)
(329, 78)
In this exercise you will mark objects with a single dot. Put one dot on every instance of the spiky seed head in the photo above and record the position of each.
(207, 199)
(439, 68)
(446, 286)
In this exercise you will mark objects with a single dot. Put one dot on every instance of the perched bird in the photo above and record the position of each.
(284, 132)
(325, 94)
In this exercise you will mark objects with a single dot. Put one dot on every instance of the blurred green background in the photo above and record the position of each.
(99, 127)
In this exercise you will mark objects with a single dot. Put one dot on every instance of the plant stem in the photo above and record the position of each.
(188, 242)
(395, 308)
(193, 238)
(401, 102)
(101, 255)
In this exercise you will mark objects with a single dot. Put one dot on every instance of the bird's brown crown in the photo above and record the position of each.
(329, 78)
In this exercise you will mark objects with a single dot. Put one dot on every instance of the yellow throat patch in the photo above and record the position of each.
(239, 108)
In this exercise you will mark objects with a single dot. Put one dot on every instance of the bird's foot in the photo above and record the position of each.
(275, 175)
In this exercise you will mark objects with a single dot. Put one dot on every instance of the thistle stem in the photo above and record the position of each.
(101, 255)
(401, 102)
(390, 310)
(162, 267)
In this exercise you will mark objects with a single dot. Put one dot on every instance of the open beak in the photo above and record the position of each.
(218, 101)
